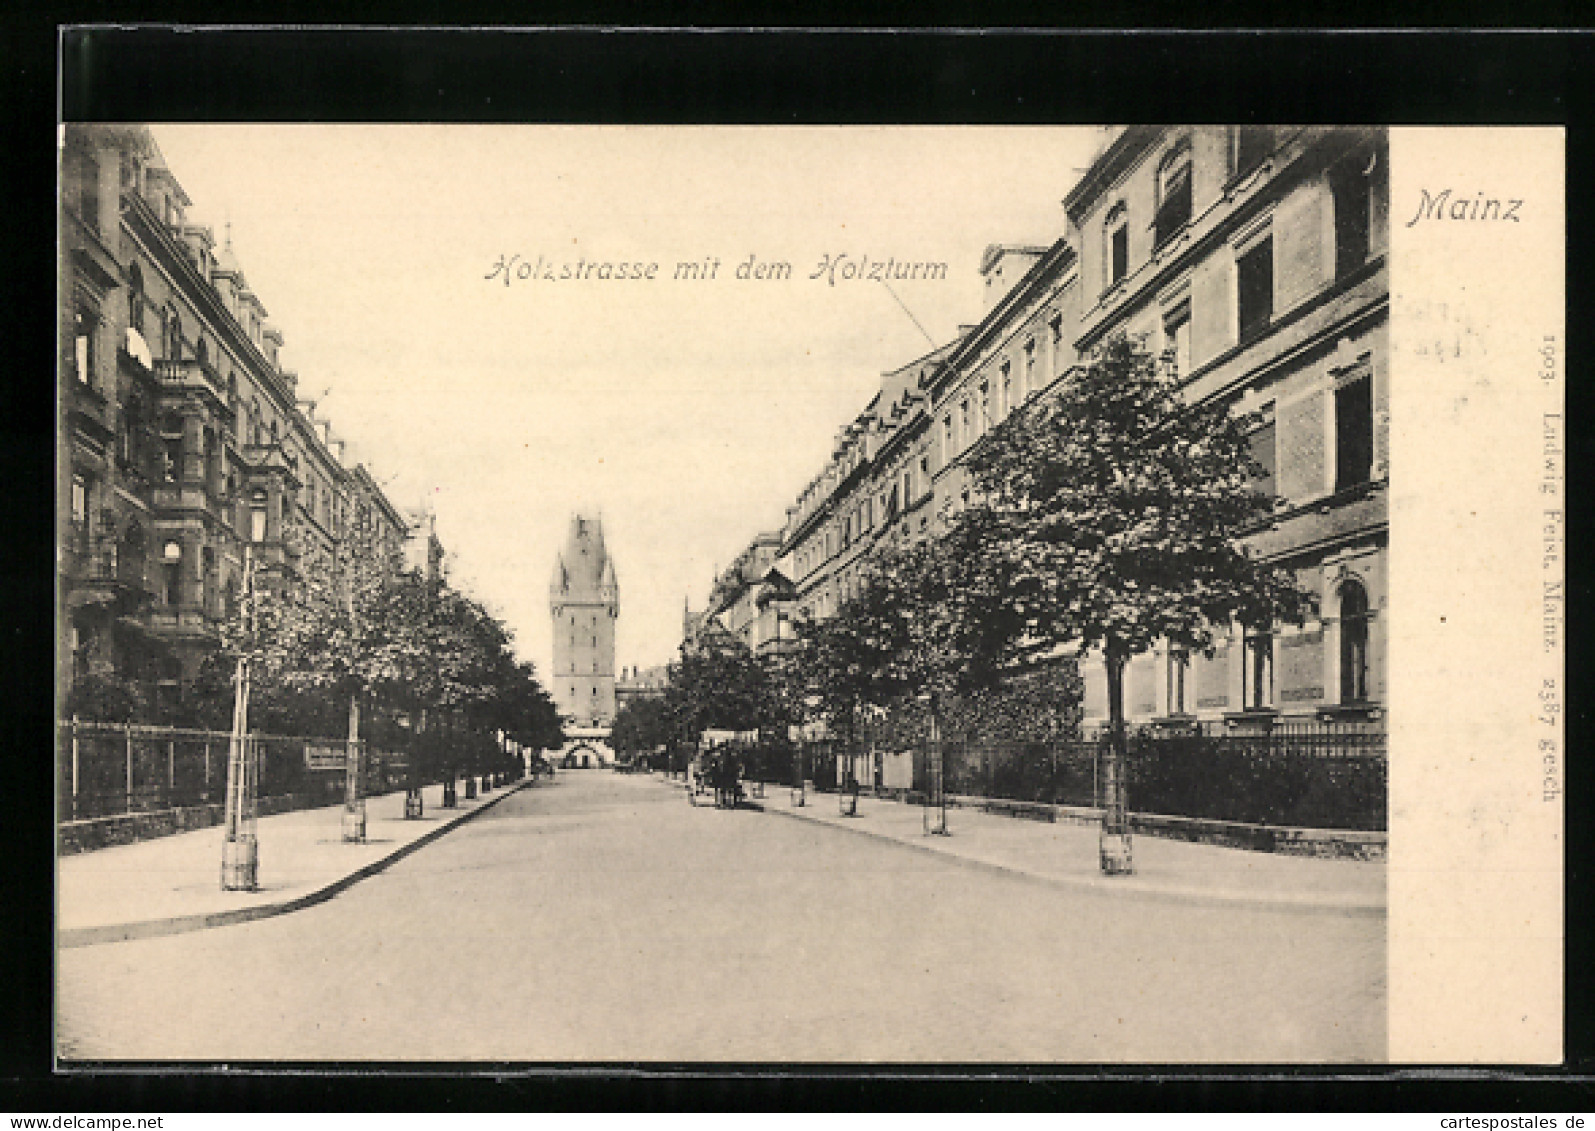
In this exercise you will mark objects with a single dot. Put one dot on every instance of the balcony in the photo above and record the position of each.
(99, 575)
(189, 374)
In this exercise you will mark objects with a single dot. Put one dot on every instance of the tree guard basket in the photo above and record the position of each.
(935, 816)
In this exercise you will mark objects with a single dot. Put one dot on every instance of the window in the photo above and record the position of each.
(172, 335)
(84, 324)
(171, 460)
(1005, 402)
(1174, 194)
(1251, 145)
(172, 569)
(257, 516)
(1179, 671)
(963, 413)
(135, 299)
(1263, 453)
(130, 555)
(1257, 677)
(1119, 253)
(1354, 617)
(985, 407)
(1353, 433)
(947, 437)
(1255, 288)
(1029, 377)
(84, 184)
(1353, 200)
(80, 501)
(1177, 338)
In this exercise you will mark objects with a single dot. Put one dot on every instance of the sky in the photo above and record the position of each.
(687, 413)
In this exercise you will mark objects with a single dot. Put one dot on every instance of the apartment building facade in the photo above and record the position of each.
(1256, 258)
(184, 448)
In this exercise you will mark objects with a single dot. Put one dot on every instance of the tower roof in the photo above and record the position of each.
(583, 569)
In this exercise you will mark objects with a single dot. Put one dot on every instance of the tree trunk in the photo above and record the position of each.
(1114, 842)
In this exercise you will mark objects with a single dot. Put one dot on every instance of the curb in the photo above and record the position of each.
(182, 924)
(1163, 892)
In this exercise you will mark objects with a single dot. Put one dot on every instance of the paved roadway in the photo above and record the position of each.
(603, 918)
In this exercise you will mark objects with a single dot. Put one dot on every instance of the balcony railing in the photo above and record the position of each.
(188, 372)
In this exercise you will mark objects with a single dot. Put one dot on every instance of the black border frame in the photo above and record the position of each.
(843, 75)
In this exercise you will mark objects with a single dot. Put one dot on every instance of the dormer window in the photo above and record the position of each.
(1174, 193)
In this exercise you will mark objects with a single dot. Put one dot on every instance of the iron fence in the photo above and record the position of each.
(106, 769)
(1299, 773)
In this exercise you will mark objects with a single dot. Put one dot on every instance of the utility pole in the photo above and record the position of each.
(241, 850)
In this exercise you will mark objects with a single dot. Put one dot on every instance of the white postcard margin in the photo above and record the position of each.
(1476, 612)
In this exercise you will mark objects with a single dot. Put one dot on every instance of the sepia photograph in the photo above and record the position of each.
(853, 595)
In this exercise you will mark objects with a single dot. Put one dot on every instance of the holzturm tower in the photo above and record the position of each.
(585, 602)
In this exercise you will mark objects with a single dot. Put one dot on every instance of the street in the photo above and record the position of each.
(602, 918)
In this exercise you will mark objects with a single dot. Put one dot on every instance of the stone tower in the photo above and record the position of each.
(585, 602)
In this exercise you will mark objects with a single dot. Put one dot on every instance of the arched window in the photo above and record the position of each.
(1354, 617)
(1257, 672)
(1179, 681)
(1173, 193)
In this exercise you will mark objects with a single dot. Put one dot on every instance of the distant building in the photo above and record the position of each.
(423, 552)
(584, 602)
(637, 683)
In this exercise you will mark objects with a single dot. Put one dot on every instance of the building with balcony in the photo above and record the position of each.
(184, 451)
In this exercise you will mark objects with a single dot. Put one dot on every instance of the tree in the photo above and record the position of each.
(1108, 517)
(640, 728)
(719, 685)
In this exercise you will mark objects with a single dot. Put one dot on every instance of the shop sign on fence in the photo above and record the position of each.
(325, 756)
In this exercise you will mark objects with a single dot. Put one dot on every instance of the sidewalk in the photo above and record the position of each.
(1065, 855)
(172, 884)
